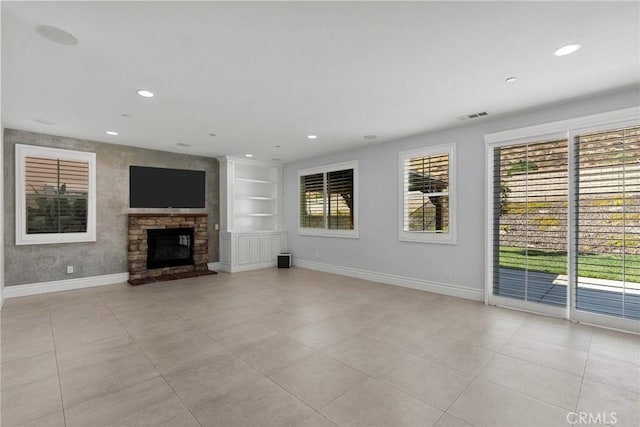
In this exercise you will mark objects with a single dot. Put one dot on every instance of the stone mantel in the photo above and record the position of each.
(173, 214)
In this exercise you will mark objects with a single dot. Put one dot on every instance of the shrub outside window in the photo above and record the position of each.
(55, 195)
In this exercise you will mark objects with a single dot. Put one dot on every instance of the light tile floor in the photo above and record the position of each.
(303, 348)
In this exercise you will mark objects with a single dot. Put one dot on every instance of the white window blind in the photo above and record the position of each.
(340, 200)
(55, 195)
(327, 200)
(530, 186)
(312, 201)
(426, 203)
(607, 216)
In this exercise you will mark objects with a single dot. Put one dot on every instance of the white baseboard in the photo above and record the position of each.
(64, 285)
(213, 266)
(392, 279)
(246, 267)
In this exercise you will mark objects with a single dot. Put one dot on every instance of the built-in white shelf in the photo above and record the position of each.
(239, 196)
(251, 233)
(256, 181)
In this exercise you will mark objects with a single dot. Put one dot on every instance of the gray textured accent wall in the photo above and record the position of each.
(108, 254)
(2, 192)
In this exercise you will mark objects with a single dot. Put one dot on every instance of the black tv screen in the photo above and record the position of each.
(166, 188)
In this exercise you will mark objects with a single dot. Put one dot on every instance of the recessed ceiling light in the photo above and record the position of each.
(277, 146)
(56, 35)
(370, 136)
(567, 50)
(248, 155)
(125, 115)
(183, 144)
(213, 134)
(112, 132)
(510, 79)
(145, 93)
(312, 136)
(45, 122)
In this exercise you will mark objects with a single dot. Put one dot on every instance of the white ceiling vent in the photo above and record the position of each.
(473, 116)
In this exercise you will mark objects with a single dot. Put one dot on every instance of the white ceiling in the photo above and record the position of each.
(264, 74)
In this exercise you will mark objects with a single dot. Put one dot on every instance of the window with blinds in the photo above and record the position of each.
(312, 201)
(340, 200)
(327, 197)
(530, 194)
(54, 195)
(607, 244)
(426, 203)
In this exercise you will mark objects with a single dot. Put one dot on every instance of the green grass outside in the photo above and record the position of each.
(596, 266)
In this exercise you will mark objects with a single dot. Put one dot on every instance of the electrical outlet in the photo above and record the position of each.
(448, 272)
(316, 255)
(69, 269)
(217, 226)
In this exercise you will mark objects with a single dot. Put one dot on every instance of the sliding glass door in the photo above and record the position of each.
(607, 226)
(530, 189)
(564, 236)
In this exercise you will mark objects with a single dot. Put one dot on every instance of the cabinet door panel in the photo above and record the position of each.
(244, 249)
(254, 248)
(275, 246)
(265, 248)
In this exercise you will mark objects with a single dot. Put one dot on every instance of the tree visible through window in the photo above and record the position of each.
(312, 201)
(340, 203)
(55, 195)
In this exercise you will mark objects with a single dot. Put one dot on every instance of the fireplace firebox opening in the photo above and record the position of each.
(169, 247)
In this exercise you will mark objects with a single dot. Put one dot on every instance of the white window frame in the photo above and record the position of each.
(449, 237)
(22, 238)
(326, 232)
(568, 129)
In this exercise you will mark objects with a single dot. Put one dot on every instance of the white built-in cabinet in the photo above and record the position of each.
(251, 234)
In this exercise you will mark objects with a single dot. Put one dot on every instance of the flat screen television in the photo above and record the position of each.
(166, 188)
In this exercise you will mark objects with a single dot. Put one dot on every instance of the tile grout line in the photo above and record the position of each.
(478, 377)
(154, 366)
(291, 394)
(263, 375)
(584, 372)
(550, 344)
(55, 352)
(540, 364)
(371, 377)
(425, 357)
(317, 352)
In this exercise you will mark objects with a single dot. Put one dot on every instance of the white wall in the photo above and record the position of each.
(1, 188)
(1, 222)
(378, 248)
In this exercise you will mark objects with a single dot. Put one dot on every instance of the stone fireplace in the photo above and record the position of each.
(167, 246)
